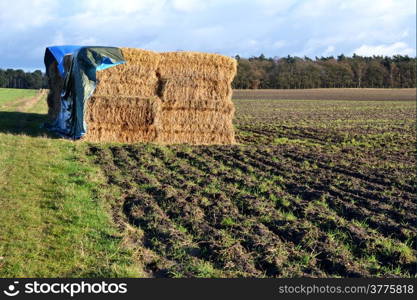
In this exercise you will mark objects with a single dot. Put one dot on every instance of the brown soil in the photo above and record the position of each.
(315, 188)
(328, 94)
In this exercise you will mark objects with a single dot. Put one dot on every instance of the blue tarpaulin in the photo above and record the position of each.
(58, 52)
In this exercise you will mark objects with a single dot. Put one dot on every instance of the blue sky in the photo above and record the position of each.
(229, 27)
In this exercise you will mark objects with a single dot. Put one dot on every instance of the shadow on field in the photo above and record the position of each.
(30, 124)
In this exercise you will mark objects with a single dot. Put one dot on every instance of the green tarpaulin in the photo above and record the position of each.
(80, 83)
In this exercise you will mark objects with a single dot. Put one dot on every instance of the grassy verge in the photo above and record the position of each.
(54, 220)
(9, 96)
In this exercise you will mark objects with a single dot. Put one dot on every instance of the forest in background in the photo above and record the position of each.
(325, 72)
(289, 72)
(23, 80)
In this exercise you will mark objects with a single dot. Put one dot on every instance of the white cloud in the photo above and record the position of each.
(111, 7)
(348, 25)
(273, 7)
(20, 15)
(329, 50)
(385, 50)
(279, 44)
(404, 34)
(385, 8)
(244, 27)
(59, 39)
(188, 5)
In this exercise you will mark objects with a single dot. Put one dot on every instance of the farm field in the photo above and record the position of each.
(314, 188)
(318, 188)
(328, 94)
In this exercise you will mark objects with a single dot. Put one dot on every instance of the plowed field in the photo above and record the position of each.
(316, 188)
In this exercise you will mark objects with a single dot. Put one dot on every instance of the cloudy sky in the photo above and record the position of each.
(229, 27)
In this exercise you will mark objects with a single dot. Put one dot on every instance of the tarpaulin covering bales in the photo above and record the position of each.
(174, 97)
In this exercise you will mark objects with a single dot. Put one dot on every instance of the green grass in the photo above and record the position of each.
(228, 222)
(54, 221)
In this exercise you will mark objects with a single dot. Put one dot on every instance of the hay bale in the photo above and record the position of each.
(130, 111)
(136, 78)
(197, 138)
(188, 90)
(122, 119)
(197, 65)
(145, 88)
(56, 83)
(119, 133)
(194, 120)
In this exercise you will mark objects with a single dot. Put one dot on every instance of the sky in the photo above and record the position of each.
(274, 28)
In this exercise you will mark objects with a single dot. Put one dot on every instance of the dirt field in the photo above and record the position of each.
(315, 188)
(328, 94)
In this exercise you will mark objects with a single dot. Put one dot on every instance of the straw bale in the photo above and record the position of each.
(55, 82)
(122, 119)
(119, 133)
(146, 88)
(127, 73)
(135, 56)
(226, 106)
(195, 120)
(129, 111)
(189, 90)
(197, 65)
(196, 138)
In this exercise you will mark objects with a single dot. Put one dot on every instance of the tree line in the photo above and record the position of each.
(22, 80)
(293, 72)
(289, 72)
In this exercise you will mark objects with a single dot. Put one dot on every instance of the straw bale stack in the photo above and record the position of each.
(166, 98)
